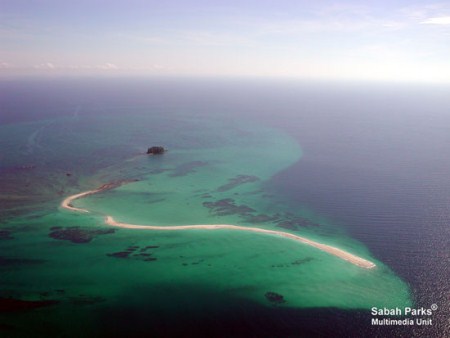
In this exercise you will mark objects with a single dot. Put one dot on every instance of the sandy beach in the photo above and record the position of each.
(356, 260)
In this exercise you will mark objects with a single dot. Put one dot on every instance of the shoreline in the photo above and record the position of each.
(109, 220)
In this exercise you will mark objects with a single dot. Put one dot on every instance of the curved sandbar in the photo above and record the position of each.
(67, 203)
(361, 262)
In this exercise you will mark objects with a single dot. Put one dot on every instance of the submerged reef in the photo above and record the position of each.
(274, 297)
(5, 234)
(227, 206)
(236, 181)
(137, 253)
(15, 305)
(15, 262)
(76, 234)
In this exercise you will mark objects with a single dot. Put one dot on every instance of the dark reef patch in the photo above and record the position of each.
(187, 168)
(119, 254)
(136, 252)
(83, 300)
(194, 262)
(236, 181)
(156, 200)
(279, 266)
(17, 305)
(4, 261)
(5, 235)
(302, 261)
(227, 206)
(150, 247)
(117, 183)
(157, 171)
(274, 297)
(77, 235)
(296, 262)
(293, 223)
(261, 218)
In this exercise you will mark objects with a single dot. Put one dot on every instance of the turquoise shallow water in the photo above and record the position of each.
(215, 172)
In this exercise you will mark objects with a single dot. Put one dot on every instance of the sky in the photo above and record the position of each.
(388, 40)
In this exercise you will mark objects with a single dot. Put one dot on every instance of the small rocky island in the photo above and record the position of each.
(156, 150)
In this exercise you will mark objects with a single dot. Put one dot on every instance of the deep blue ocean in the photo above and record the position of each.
(375, 160)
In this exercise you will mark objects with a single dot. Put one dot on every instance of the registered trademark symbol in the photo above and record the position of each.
(434, 307)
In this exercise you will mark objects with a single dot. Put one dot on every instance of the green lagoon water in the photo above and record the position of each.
(215, 172)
